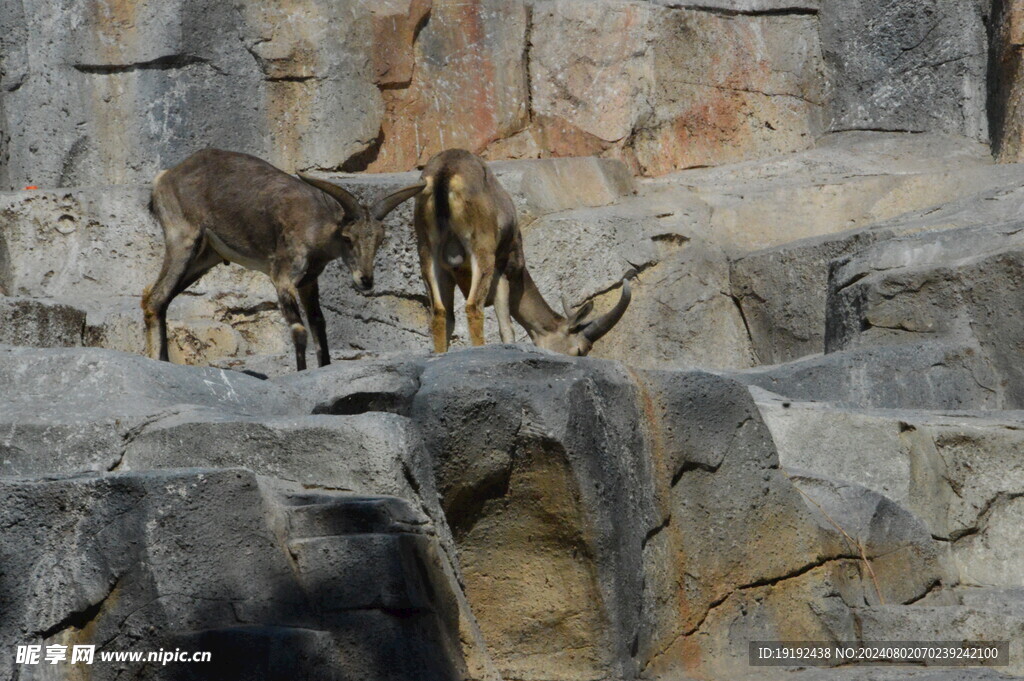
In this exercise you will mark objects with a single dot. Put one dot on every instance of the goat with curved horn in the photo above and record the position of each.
(468, 236)
(221, 206)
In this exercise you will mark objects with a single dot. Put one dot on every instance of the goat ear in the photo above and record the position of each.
(582, 313)
(350, 203)
(380, 210)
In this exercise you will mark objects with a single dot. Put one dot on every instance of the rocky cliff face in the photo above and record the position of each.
(102, 92)
(807, 426)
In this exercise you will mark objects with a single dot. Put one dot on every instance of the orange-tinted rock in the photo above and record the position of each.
(395, 24)
(591, 66)
(731, 88)
(1007, 103)
(668, 88)
(468, 87)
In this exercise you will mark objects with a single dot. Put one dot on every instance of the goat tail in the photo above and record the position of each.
(156, 180)
(451, 250)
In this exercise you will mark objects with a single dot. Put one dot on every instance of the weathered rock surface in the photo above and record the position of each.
(848, 180)
(922, 375)
(910, 65)
(671, 88)
(852, 470)
(102, 93)
(945, 623)
(110, 94)
(931, 285)
(73, 410)
(220, 561)
(1006, 116)
(31, 321)
(638, 520)
(959, 473)
(783, 290)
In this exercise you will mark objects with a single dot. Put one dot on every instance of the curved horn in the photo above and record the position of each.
(381, 209)
(350, 203)
(603, 324)
(566, 307)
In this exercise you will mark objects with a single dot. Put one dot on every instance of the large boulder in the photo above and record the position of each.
(548, 467)
(76, 409)
(954, 284)
(906, 65)
(571, 518)
(961, 474)
(783, 290)
(98, 94)
(273, 582)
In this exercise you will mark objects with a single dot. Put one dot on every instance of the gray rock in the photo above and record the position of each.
(1004, 105)
(955, 284)
(959, 472)
(782, 293)
(910, 65)
(365, 454)
(82, 242)
(97, 96)
(783, 290)
(528, 447)
(863, 446)
(69, 410)
(42, 323)
(945, 623)
(551, 185)
(567, 508)
(1009, 600)
(359, 387)
(681, 314)
(144, 561)
(901, 562)
(921, 375)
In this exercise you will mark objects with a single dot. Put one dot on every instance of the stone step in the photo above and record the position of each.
(925, 374)
(945, 623)
(784, 290)
(201, 331)
(848, 180)
(313, 514)
(962, 473)
(364, 453)
(40, 323)
(1006, 600)
(537, 186)
(336, 569)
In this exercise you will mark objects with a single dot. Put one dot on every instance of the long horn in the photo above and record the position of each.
(602, 325)
(381, 209)
(350, 203)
